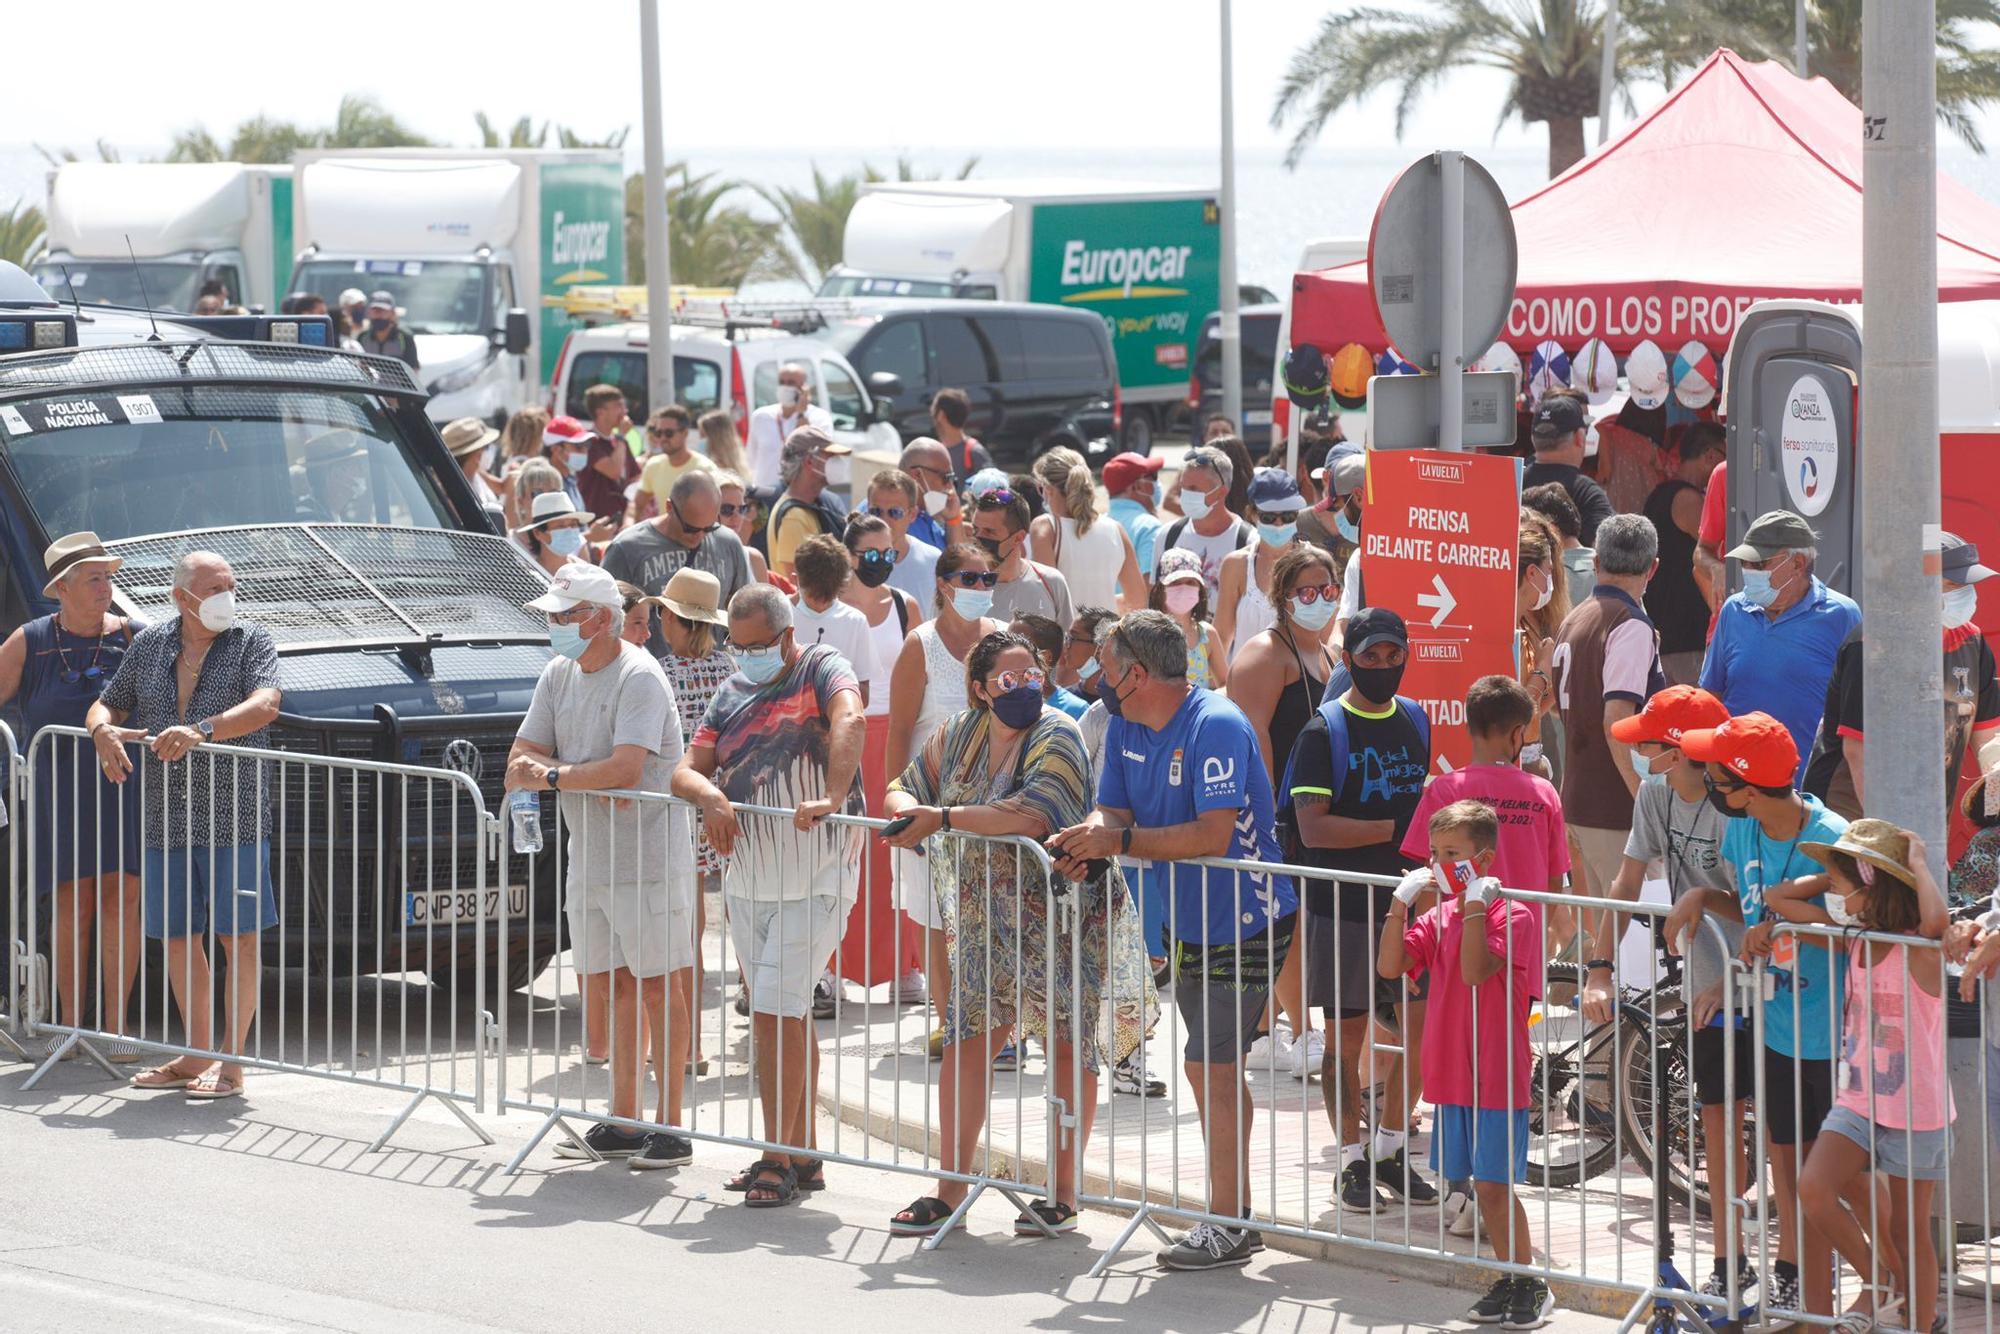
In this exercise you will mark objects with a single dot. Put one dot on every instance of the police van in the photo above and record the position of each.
(395, 604)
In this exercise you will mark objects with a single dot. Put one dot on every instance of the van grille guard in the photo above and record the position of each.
(139, 365)
(344, 586)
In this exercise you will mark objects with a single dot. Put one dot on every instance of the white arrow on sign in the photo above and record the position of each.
(1442, 600)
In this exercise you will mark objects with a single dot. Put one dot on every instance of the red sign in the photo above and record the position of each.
(1439, 539)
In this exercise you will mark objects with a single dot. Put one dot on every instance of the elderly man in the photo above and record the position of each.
(204, 675)
(785, 730)
(688, 534)
(383, 334)
(1776, 642)
(807, 508)
(1208, 528)
(897, 499)
(1000, 525)
(603, 719)
(1183, 778)
(942, 521)
(1607, 662)
(772, 425)
(1132, 481)
(1561, 423)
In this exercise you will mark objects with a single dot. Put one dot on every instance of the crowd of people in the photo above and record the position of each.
(1134, 682)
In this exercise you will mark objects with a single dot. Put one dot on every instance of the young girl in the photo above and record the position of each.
(1892, 1113)
(1180, 591)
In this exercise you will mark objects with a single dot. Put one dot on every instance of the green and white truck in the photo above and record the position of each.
(478, 247)
(188, 223)
(1146, 258)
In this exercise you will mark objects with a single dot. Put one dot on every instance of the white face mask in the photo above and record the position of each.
(1548, 591)
(1194, 504)
(1836, 908)
(1960, 606)
(789, 396)
(217, 611)
(937, 502)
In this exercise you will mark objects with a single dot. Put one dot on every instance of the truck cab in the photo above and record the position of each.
(356, 541)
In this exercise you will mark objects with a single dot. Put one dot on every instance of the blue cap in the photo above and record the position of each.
(1273, 490)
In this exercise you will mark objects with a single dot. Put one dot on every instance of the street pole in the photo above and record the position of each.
(1606, 70)
(1229, 334)
(1903, 695)
(1451, 333)
(1799, 39)
(659, 275)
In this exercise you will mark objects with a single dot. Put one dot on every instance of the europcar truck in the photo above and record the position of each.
(1146, 258)
(478, 248)
(188, 223)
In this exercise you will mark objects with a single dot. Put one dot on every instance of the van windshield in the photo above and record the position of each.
(139, 465)
(164, 284)
(436, 297)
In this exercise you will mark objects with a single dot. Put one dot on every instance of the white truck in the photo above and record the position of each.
(478, 248)
(188, 224)
(1144, 257)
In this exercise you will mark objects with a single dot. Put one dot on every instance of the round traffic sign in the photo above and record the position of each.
(1406, 261)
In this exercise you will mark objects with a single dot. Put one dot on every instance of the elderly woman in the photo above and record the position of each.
(1009, 766)
(55, 667)
(554, 532)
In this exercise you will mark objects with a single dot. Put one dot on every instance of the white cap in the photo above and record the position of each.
(353, 296)
(576, 584)
(1593, 371)
(1646, 375)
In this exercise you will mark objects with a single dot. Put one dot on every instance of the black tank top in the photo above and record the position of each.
(1673, 600)
(1295, 707)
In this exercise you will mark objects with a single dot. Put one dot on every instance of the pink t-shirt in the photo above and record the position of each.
(1533, 848)
(1450, 1044)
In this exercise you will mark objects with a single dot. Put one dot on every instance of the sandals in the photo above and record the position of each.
(211, 1084)
(774, 1185)
(923, 1217)
(167, 1076)
(1060, 1218)
(810, 1179)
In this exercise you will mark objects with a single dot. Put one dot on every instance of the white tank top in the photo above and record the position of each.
(944, 686)
(1090, 563)
(888, 640)
(1254, 615)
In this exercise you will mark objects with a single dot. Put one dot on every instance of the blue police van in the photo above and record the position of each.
(394, 598)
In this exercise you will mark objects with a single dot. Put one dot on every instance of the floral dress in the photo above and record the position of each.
(1012, 947)
(695, 681)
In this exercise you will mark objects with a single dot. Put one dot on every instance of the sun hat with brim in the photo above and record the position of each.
(468, 435)
(1875, 843)
(1770, 533)
(67, 552)
(329, 447)
(695, 595)
(811, 440)
(1179, 564)
(1981, 802)
(1959, 560)
(577, 584)
(548, 508)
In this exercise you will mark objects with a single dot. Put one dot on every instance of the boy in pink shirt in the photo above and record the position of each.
(1475, 1058)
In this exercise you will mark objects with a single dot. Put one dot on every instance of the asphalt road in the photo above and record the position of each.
(125, 1210)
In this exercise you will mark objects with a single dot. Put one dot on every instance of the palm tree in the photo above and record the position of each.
(709, 243)
(21, 230)
(522, 134)
(816, 220)
(569, 138)
(105, 153)
(360, 122)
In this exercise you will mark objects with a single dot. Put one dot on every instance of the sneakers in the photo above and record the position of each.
(823, 997)
(1008, 1057)
(1207, 1246)
(662, 1150)
(1129, 1076)
(1307, 1055)
(1783, 1294)
(1461, 1209)
(1717, 1285)
(1493, 1307)
(1530, 1305)
(608, 1141)
(910, 988)
(1358, 1192)
(1271, 1051)
(1395, 1175)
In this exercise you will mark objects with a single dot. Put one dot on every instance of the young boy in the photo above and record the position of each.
(1475, 1055)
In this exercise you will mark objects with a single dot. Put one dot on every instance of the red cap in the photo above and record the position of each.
(1753, 746)
(565, 431)
(1669, 714)
(1124, 469)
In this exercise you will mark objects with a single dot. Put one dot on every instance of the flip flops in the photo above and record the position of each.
(167, 1076)
(211, 1085)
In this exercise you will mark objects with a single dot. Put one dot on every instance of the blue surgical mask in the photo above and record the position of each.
(1277, 534)
(566, 541)
(1314, 616)
(1089, 669)
(1960, 606)
(1019, 708)
(1758, 589)
(567, 640)
(972, 603)
(1349, 529)
(1652, 770)
(1194, 504)
(579, 459)
(763, 665)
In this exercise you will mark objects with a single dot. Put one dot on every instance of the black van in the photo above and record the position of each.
(1260, 363)
(1038, 376)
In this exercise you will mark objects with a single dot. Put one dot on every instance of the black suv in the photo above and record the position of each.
(1260, 355)
(1038, 376)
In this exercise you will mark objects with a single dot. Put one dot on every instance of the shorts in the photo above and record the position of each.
(1485, 1145)
(640, 928)
(783, 946)
(1795, 1118)
(914, 894)
(1339, 974)
(1913, 1155)
(1710, 1089)
(1221, 991)
(181, 884)
(1598, 854)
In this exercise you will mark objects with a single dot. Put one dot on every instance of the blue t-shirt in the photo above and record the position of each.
(1781, 667)
(1068, 701)
(1141, 526)
(1817, 977)
(927, 530)
(1204, 759)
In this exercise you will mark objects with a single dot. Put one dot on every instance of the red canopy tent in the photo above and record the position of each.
(1745, 183)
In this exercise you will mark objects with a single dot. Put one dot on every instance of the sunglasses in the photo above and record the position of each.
(1311, 593)
(976, 578)
(878, 556)
(1724, 788)
(1281, 517)
(729, 511)
(682, 521)
(892, 513)
(74, 674)
(666, 435)
(1011, 680)
(996, 500)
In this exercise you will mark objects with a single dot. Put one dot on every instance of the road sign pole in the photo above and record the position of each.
(1451, 356)
(1229, 330)
(659, 278)
(1292, 417)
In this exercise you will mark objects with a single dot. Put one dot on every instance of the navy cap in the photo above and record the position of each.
(1558, 415)
(1372, 626)
(1960, 560)
(1274, 490)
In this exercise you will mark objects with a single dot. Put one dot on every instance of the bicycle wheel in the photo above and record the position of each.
(1665, 1050)
(1572, 1123)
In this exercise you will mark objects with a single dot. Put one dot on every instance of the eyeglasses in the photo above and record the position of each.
(975, 578)
(729, 511)
(877, 556)
(1075, 642)
(1281, 517)
(893, 513)
(667, 434)
(741, 649)
(574, 616)
(1307, 594)
(1011, 680)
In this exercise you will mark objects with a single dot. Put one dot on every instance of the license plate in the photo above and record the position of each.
(1255, 418)
(446, 907)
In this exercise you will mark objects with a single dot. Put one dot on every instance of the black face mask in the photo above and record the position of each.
(1720, 800)
(992, 546)
(1377, 684)
(873, 573)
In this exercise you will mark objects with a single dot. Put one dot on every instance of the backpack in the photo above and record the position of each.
(828, 510)
(1336, 739)
(1179, 526)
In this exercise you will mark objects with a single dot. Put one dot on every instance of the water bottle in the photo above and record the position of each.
(526, 808)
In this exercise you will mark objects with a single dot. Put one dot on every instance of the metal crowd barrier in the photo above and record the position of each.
(368, 950)
(20, 961)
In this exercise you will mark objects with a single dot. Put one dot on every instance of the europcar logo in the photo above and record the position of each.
(1123, 272)
(580, 244)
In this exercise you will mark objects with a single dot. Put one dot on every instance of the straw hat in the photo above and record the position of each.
(467, 435)
(1875, 843)
(66, 553)
(695, 595)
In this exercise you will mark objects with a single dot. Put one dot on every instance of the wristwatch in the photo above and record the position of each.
(554, 776)
(206, 728)
(944, 818)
